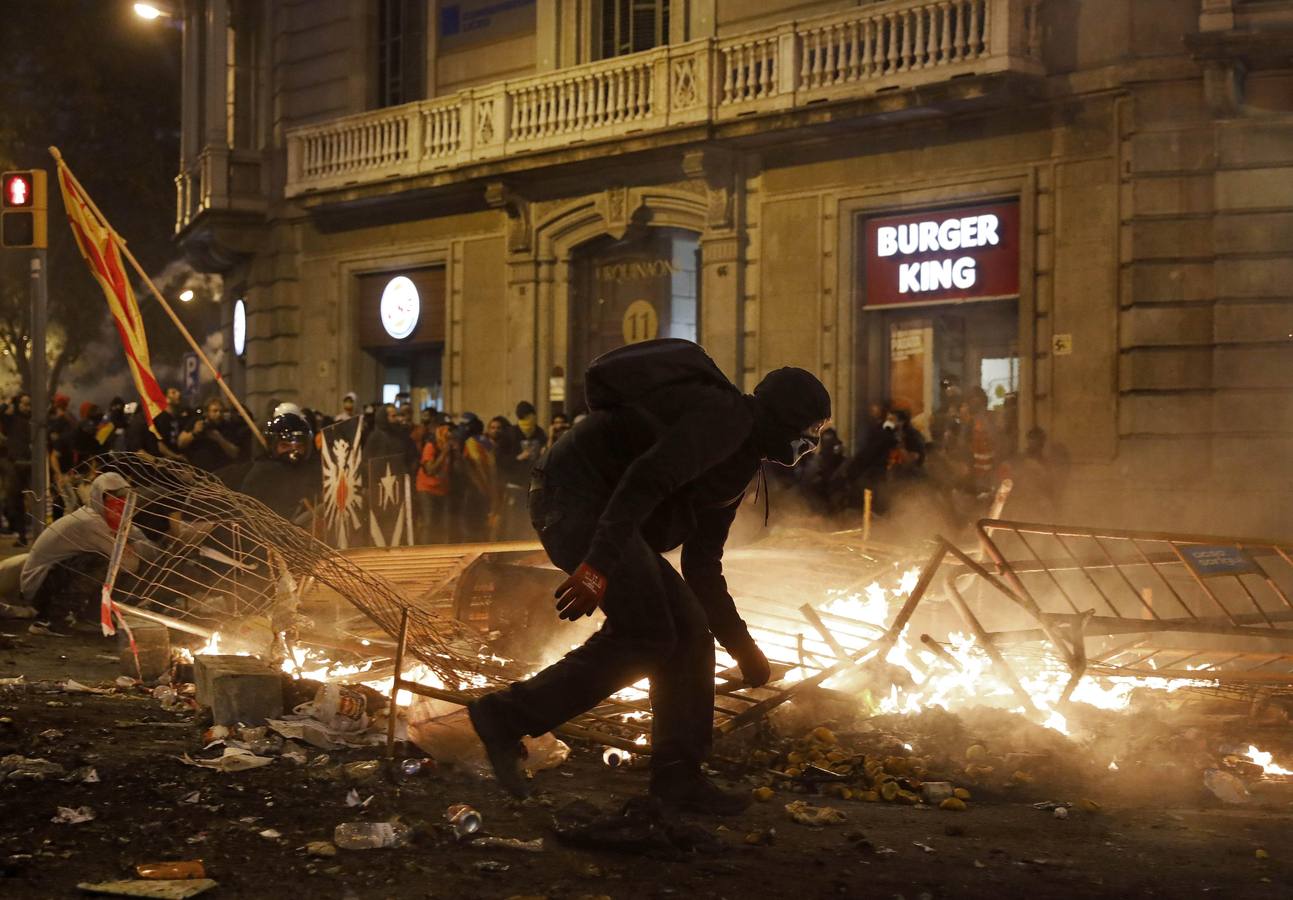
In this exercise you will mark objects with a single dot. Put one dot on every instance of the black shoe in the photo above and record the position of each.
(502, 745)
(683, 787)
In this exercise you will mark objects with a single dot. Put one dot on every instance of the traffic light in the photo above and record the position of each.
(23, 210)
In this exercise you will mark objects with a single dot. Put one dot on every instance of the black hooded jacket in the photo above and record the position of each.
(675, 467)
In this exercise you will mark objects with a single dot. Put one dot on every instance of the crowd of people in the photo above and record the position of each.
(951, 462)
(470, 477)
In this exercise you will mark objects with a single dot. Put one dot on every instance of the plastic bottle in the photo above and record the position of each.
(371, 835)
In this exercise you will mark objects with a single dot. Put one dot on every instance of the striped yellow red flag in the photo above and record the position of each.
(99, 245)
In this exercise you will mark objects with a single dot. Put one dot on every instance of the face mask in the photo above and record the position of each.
(113, 509)
(890, 425)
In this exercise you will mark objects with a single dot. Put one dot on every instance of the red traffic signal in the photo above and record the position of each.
(17, 189)
(22, 209)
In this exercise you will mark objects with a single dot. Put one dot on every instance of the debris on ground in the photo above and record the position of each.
(640, 826)
(176, 889)
(814, 816)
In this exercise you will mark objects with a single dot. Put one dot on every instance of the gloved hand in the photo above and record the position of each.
(581, 593)
(754, 665)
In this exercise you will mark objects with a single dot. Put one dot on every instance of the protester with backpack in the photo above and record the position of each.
(662, 460)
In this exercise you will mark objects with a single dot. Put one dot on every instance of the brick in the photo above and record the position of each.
(1244, 323)
(1254, 277)
(1172, 239)
(1166, 369)
(1168, 325)
(1254, 233)
(1165, 282)
(1258, 366)
(238, 689)
(1183, 194)
(1172, 151)
(1145, 414)
(1255, 188)
(1243, 144)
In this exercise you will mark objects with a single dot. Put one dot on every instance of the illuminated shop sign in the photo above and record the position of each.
(964, 253)
(239, 327)
(400, 307)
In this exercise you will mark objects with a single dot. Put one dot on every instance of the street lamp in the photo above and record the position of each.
(155, 10)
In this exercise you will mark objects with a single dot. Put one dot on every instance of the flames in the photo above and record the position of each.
(1266, 761)
(963, 676)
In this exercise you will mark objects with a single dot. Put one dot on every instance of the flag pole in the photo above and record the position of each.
(215, 373)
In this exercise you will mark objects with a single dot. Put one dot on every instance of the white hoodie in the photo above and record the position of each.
(83, 531)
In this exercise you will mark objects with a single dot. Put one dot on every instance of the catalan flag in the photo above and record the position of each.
(101, 248)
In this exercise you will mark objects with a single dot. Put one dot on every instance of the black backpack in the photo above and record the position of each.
(626, 375)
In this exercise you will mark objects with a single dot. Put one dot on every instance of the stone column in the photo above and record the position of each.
(720, 300)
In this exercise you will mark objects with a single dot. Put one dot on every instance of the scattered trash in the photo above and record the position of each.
(534, 846)
(463, 820)
(415, 766)
(364, 771)
(1061, 812)
(1226, 787)
(316, 734)
(295, 755)
(953, 804)
(271, 834)
(233, 759)
(764, 794)
(193, 797)
(1090, 806)
(338, 708)
(51, 735)
(639, 826)
(490, 865)
(935, 792)
(69, 816)
(84, 775)
(175, 889)
(322, 849)
(1262, 854)
(615, 757)
(371, 835)
(1048, 805)
(352, 799)
(215, 733)
(763, 837)
(15, 681)
(125, 682)
(443, 731)
(815, 816)
(16, 767)
(190, 868)
(15, 611)
(925, 847)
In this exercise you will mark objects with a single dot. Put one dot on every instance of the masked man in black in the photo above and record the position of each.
(666, 466)
(286, 480)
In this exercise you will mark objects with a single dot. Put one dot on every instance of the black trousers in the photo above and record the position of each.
(655, 628)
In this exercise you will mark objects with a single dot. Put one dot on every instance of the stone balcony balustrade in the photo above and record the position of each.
(894, 45)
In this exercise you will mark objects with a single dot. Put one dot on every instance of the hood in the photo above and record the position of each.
(108, 481)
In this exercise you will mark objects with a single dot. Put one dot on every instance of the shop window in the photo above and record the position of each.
(631, 26)
(940, 312)
(645, 286)
(401, 51)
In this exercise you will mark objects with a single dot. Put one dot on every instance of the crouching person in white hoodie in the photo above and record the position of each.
(67, 565)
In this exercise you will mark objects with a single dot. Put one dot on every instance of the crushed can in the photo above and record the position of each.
(414, 766)
(464, 820)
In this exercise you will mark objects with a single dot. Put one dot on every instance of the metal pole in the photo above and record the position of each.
(39, 394)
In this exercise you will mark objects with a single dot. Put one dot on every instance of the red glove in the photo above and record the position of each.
(581, 593)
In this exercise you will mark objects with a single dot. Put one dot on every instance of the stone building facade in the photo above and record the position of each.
(1083, 206)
